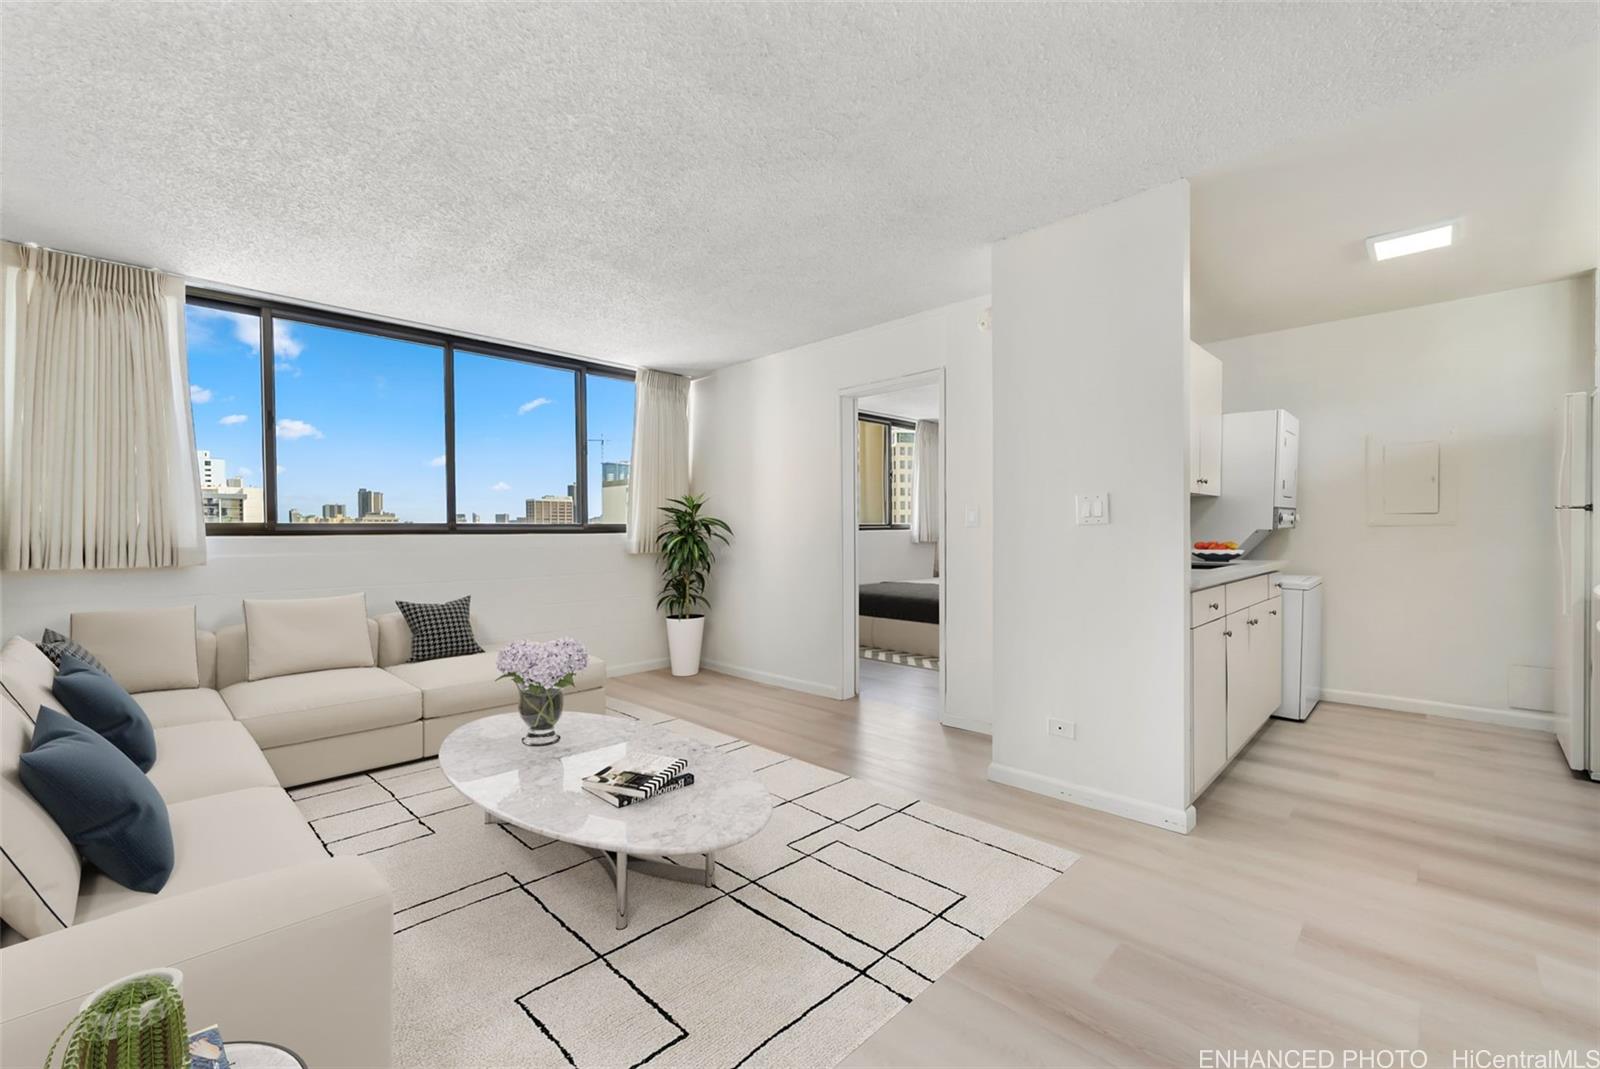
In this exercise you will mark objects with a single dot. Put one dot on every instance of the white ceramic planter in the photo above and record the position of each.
(684, 638)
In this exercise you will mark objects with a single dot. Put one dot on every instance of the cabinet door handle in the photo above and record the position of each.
(1215, 605)
(1252, 623)
(1272, 612)
(1227, 634)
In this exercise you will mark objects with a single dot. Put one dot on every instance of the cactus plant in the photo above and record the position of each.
(136, 1023)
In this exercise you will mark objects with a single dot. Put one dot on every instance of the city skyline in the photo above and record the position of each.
(358, 411)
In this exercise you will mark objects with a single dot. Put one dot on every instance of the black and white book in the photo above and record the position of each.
(683, 779)
(640, 776)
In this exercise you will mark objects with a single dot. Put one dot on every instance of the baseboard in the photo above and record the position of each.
(804, 686)
(967, 723)
(1178, 820)
(1482, 714)
(636, 666)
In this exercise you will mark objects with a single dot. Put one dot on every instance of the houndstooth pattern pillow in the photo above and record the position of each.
(443, 630)
(53, 644)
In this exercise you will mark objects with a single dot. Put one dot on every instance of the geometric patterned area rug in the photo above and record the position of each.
(914, 660)
(846, 907)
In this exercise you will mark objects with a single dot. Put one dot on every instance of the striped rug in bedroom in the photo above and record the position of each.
(913, 660)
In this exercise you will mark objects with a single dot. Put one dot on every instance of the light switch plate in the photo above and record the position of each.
(973, 516)
(1093, 509)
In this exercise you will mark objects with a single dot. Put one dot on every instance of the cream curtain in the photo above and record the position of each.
(925, 499)
(660, 453)
(100, 467)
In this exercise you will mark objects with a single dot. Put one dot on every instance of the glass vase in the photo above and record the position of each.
(539, 709)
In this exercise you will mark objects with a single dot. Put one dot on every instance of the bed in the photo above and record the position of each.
(902, 615)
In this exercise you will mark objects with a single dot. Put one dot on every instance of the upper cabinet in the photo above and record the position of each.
(1205, 422)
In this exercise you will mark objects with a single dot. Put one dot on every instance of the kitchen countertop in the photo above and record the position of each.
(1204, 578)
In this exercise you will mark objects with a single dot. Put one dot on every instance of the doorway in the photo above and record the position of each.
(894, 568)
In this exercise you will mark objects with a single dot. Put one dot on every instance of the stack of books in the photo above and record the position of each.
(640, 778)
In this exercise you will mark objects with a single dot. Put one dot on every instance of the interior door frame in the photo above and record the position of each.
(849, 593)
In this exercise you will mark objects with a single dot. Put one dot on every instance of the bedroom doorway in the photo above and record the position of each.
(895, 520)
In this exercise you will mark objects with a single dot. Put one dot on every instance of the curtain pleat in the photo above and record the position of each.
(100, 471)
(925, 504)
(660, 453)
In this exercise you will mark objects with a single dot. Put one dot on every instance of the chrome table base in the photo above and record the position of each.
(620, 865)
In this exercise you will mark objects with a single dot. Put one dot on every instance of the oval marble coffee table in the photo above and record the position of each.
(541, 789)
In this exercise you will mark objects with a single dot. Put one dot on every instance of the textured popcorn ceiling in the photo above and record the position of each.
(680, 186)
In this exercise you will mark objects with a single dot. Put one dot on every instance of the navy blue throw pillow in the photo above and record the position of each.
(95, 699)
(105, 806)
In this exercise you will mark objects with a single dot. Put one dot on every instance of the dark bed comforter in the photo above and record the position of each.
(916, 602)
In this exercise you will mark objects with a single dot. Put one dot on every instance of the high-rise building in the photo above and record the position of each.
(213, 470)
(368, 502)
(548, 510)
(902, 475)
(332, 511)
(614, 488)
(502, 517)
(233, 502)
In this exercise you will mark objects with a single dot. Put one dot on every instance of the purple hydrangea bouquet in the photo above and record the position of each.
(540, 670)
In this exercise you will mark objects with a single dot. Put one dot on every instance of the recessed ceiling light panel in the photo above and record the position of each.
(1405, 242)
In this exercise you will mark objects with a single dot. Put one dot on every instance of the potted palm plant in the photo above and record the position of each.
(685, 543)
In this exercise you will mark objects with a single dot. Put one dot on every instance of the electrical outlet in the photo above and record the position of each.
(1062, 729)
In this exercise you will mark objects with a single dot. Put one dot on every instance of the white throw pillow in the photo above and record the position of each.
(143, 649)
(28, 676)
(289, 636)
(39, 869)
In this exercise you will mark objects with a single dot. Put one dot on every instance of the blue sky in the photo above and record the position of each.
(360, 410)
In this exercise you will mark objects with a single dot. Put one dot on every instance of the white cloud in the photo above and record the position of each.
(233, 419)
(528, 406)
(287, 368)
(297, 428)
(245, 473)
(437, 462)
(284, 344)
(246, 330)
(500, 486)
(281, 469)
(198, 395)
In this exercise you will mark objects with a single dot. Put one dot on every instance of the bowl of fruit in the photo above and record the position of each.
(1217, 552)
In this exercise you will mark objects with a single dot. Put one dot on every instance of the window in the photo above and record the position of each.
(902, 477)
(886, 471)
(359, 426)
(225, 396)
(516, 429)
(609, 401)
(322, 424)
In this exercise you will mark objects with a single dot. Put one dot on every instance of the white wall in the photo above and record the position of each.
(1428, 618)
(522, 586)
(1091, 328)
(882, 555)
(767, 451)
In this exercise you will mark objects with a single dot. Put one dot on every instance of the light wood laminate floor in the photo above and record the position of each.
(1363, 880)
(899, 686)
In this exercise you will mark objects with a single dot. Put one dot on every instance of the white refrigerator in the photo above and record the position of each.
(1575, 616)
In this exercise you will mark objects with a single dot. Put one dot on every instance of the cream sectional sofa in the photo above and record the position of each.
(277, 940)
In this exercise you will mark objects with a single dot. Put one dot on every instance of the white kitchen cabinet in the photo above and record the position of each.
(1205, 422)
(1236, 672)
(1209, 655)
(1242, 682)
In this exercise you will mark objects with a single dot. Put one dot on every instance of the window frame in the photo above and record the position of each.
(267, 309)
(890, 423)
